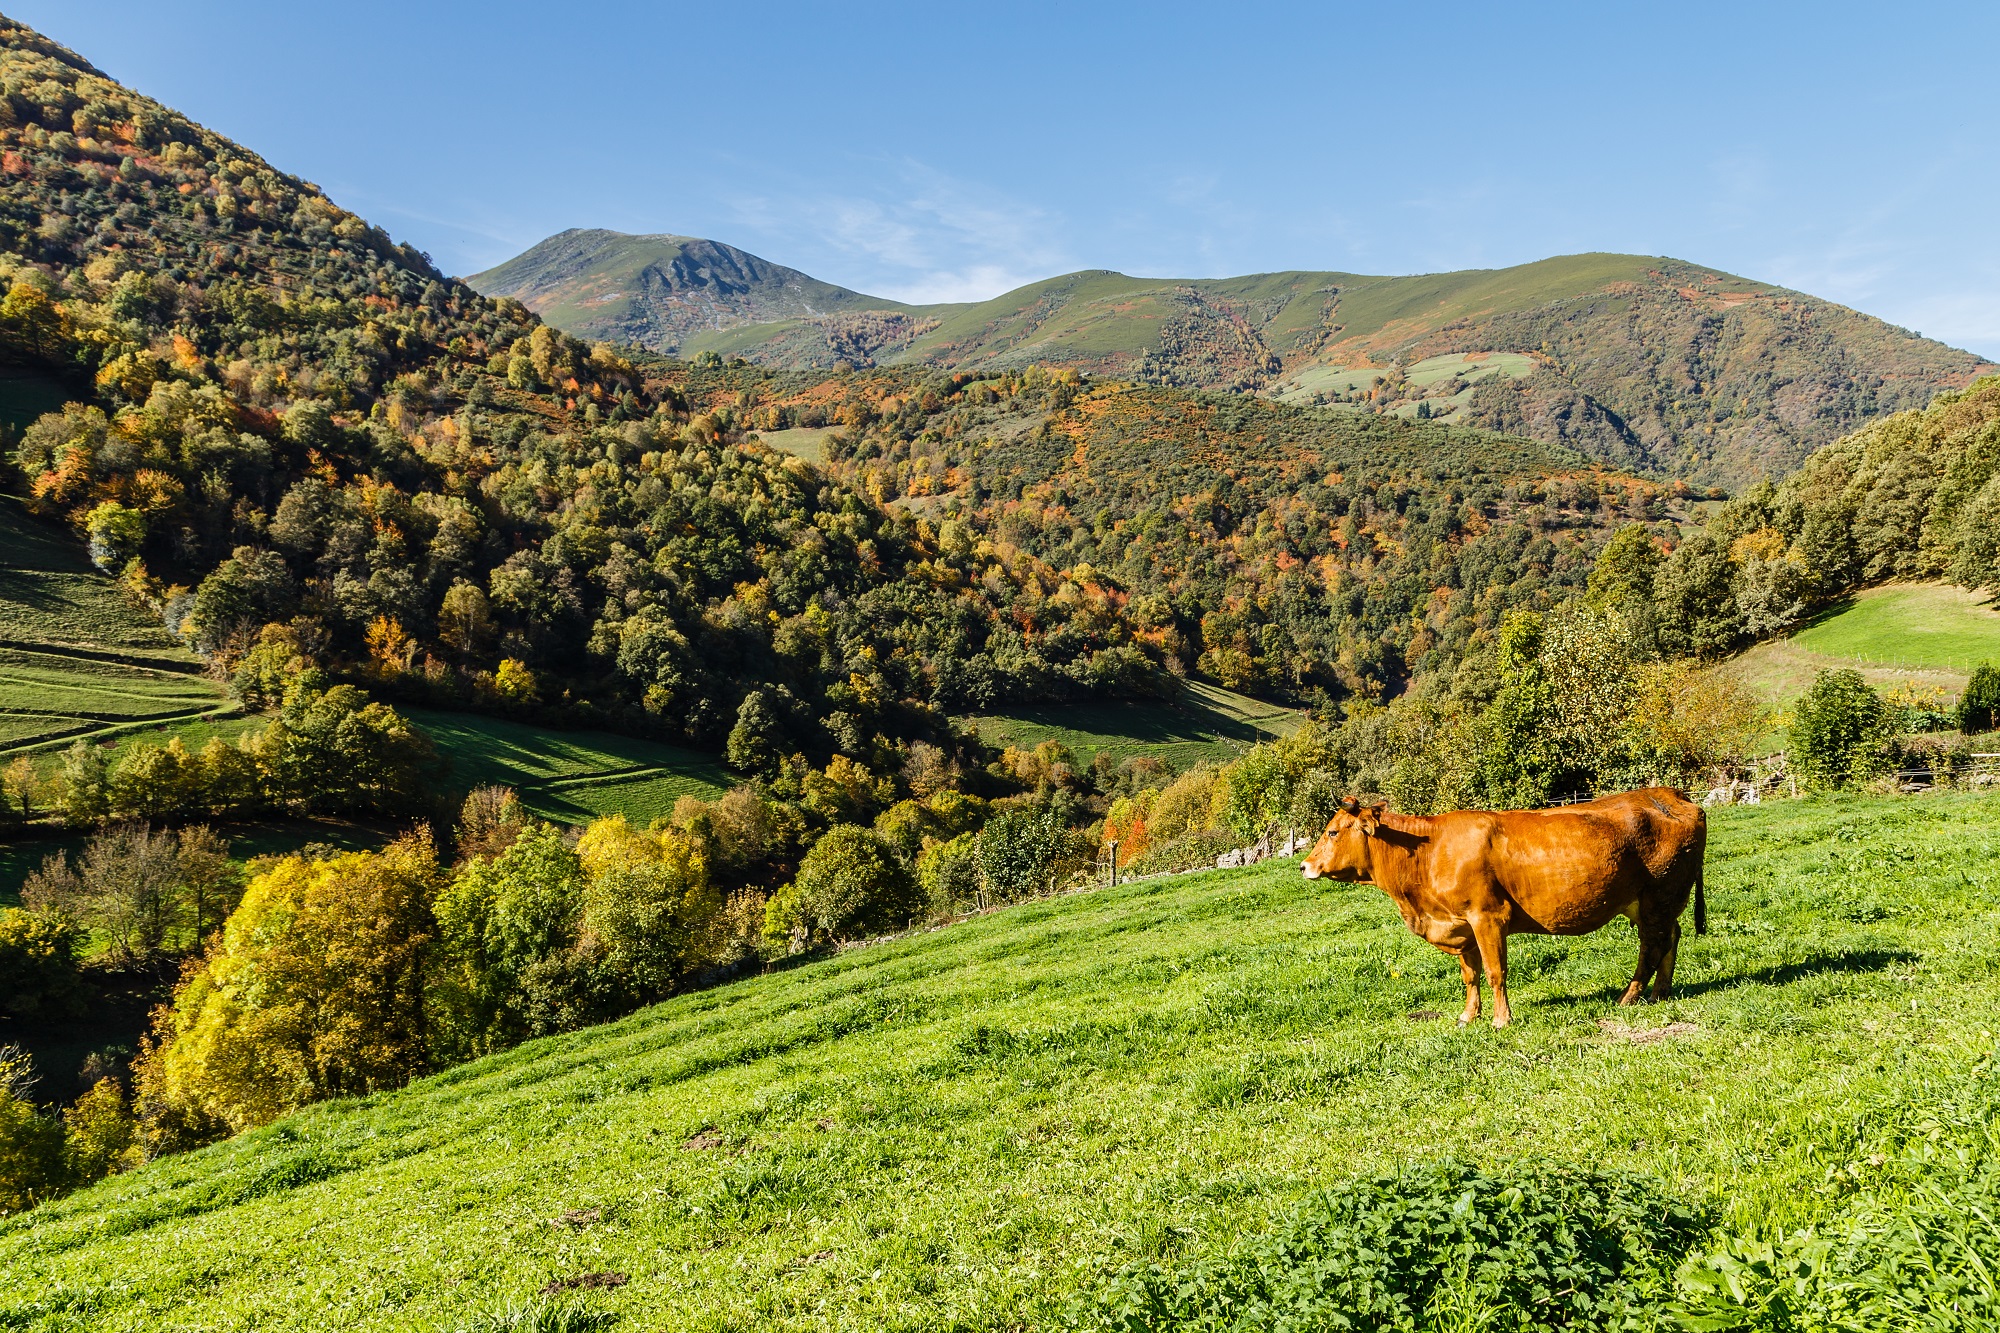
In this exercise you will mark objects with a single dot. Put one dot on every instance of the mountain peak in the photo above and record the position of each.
(658, 290)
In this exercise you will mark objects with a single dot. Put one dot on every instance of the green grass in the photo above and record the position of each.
(1204, 724)
(1927, 636)
(76, 657)
(808, 442)
(1922, 625)
(571, 776)
(25, 395)
(963, 1129)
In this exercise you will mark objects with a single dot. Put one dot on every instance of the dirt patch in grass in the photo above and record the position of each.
(1617, 1031)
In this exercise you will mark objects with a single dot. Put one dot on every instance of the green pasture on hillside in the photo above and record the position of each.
(1301, 385)
(1918, 625)
(76, 657)
(808, 442)
(571, 776)
(969, 1127)
(1925, 635)
(1203, 724)
(25, 395)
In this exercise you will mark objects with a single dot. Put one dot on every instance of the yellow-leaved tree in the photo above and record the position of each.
(315, 989)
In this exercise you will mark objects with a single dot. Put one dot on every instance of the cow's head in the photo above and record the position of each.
(1342, 851)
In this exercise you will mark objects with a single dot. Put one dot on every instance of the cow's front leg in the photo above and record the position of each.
(1492, 941)
(1470, 972)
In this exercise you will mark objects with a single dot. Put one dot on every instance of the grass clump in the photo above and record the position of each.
(1444, 1245)
(543, 1314)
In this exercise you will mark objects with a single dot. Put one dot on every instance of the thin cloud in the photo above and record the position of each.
(920, 235)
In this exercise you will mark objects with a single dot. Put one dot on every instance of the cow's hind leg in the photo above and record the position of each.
(1663, 985)
(1650, 951)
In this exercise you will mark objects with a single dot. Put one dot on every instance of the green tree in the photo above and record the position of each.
(948, 872)
(1518, 761)
(1838, 730)
(1694, 597)
(332, 750)
(653, 915)
(116, 533)
(502, 921)
(126, 884)
(86, 783)
(1626, 569)
(756, 742)
(1979, 706)
(850, 884)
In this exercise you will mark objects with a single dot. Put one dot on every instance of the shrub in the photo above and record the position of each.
(1534, 1248)
(1255, 792)
(99, 1136)
(1187, 805)
(1838, 730)
(39, 980)
(1688, 719)
(850, 884)
(948, 872)
(31, 1143)
(1023, 853)
(1979, 706)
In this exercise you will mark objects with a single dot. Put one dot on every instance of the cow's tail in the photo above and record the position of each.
(1700, 904)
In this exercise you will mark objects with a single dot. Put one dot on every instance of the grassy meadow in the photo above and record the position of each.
(1202, 724)
(968, 1128)
(571, 777)
(76, 659)
(1926, 635)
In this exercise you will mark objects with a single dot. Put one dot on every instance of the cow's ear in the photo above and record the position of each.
(1371, 818)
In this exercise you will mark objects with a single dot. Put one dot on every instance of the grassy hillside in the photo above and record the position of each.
(572, 776)
(1643, 361)
(657, 291)
(1204, 724)
(966, 1128)
(1930, 635)
(76, 658)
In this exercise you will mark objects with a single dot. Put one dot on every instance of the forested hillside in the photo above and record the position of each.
(286, 429)
(1306, 554)
(281, 423)
(1642, 362)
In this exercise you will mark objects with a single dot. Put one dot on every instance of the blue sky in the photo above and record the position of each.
(949, 152)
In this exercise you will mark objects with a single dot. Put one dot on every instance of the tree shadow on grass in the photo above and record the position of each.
(1834, 962)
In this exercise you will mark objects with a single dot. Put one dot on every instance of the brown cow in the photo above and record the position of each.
(1467, 880)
